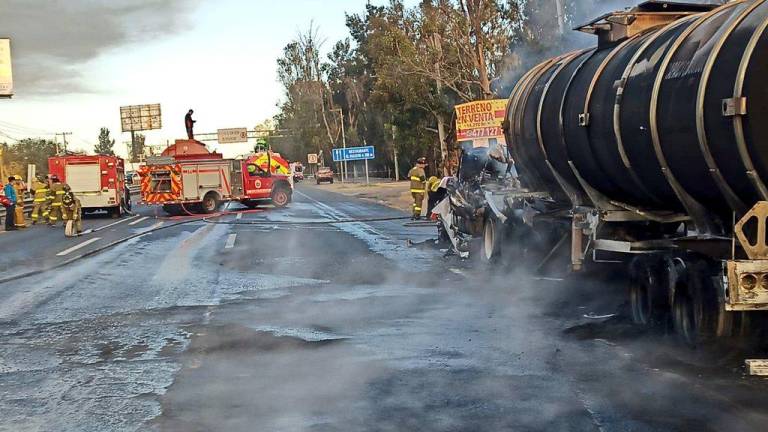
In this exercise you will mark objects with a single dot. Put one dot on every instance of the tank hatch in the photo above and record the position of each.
(616, 26)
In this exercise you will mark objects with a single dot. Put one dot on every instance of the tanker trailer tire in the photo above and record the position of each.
(280, 197)
(645, 293)
(209, 204)
(695, 310)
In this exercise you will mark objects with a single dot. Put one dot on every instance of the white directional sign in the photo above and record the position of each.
(312, 158)
(6, 75)
(140, 117)
(231, 136)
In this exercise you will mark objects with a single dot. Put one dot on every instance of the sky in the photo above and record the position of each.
(76, 62)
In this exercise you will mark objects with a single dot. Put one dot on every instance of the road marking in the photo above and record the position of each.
(230, 241)
(139, 220)
(239, 216)
(457, 271)
(76, 247)
(114, 223)
(155, 226)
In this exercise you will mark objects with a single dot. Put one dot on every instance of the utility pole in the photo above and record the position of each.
(63, 138)
(344, 145)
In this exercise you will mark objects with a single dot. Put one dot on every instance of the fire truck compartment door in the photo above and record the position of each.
(191, 180)
(84, 177)
(237, 178)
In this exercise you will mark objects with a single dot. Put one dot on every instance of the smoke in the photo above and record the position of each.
(52, 39)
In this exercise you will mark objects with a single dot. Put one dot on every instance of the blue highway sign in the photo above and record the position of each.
(353, 153)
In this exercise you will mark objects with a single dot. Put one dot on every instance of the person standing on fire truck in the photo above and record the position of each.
(418, 179)
(40, 206)
(57, 192)
(190, 124)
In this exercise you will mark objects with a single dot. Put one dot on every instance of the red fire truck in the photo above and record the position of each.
(187, 177)
(98, 181)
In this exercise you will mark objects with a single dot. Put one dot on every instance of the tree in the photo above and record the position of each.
(27, 151)
(106, 145)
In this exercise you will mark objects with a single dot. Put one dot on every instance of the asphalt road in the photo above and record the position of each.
(331, 327)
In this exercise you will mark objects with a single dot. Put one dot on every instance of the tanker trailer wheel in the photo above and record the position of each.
(492, 234)
(646, 293)
(209, 204)
(280, 197)
(696, 313)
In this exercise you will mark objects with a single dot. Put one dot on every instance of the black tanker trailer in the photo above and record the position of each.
(653, 147)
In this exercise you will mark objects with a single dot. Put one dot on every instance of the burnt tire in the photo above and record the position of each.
(281, 197)
(646, 294)
(696, 314)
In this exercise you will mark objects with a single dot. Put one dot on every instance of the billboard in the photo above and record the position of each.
(6, 75)
(231, 136)
(140, 117)
(480, 119)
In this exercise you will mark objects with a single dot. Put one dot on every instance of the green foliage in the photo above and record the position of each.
(399, 74)
(106, 145)
(35, 151)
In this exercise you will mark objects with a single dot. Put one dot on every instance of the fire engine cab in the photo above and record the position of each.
(187, 177)
(97, 181)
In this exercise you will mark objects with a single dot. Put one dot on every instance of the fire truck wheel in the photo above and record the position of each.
(209, 204)
(280, 197)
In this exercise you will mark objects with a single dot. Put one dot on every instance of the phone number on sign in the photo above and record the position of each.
(481, 133)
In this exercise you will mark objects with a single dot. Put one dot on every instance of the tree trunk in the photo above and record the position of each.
(473, 13)
(443, 144)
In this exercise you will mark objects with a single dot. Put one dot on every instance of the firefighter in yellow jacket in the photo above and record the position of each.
(72, 214)
(418, 178)
(40, 205)
(56, 193)
(21, 189)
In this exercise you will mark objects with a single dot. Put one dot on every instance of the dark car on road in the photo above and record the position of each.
(324, 174)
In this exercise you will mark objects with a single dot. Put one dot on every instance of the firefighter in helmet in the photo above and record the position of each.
(72, 214)
(55, 193)
(20, 187)
(40, 204)
(418, 178)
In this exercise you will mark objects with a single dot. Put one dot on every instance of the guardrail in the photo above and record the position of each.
(29, 202)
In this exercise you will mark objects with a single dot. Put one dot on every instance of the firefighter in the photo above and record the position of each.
(72, 214)
(189, 124)
(40, 206)
(55, 193)
(418, 179)
(20, 187)
(435, 194)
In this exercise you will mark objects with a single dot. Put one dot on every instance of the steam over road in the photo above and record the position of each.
(217, 327)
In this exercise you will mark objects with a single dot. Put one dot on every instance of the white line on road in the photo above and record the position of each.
(76, 247)
(139, 220)
(239, 216)
(114, 223)
(230, 241)
(155, 226)
(457, 271)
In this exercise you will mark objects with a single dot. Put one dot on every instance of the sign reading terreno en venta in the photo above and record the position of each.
(480, 119)
(6, 75)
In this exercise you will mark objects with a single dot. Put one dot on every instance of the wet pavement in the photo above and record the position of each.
(335, 327)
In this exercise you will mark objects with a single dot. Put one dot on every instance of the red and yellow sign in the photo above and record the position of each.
(480, 119)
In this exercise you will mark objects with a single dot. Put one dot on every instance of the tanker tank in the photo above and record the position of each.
(666, 113)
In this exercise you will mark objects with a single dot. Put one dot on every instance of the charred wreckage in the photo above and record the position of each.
(649, 150)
